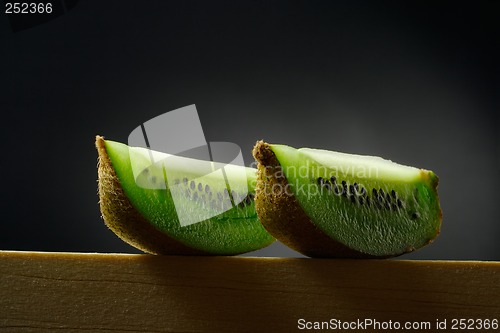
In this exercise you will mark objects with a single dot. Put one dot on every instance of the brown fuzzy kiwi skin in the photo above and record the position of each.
(281, 215)
(124, 220)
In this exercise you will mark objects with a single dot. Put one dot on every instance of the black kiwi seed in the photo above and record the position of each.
(200, 187)
(400, 203)
(361, 201)
(388, 197)
(368, 201)
(207, 189)
(387, 206)
(394, 206)
(333, 179)
(344, 188)
(192, 185)
(351, 189)
(375, 193)
(327, 184)
(393, 193)
(353, 199)
(336, 189)
(415, 216)
(381, 193)
(321, 181)
(242, 204)
(381, 199)
(363, 192)
(251, 196)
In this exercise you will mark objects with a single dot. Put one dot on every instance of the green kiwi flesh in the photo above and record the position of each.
(329, 204)
(140, 209)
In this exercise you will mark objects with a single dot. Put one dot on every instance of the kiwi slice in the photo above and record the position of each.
(190, 207)
(329, 204)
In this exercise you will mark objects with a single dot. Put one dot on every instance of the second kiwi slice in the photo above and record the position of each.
(329, 204)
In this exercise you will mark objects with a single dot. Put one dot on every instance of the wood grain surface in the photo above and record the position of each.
(69, 292)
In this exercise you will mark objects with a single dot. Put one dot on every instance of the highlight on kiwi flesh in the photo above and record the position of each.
(185, 209)
(329, 204)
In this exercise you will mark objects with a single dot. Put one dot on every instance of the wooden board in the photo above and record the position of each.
(60, 292)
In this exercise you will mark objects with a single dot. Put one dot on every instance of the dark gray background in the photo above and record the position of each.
(416, 82)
